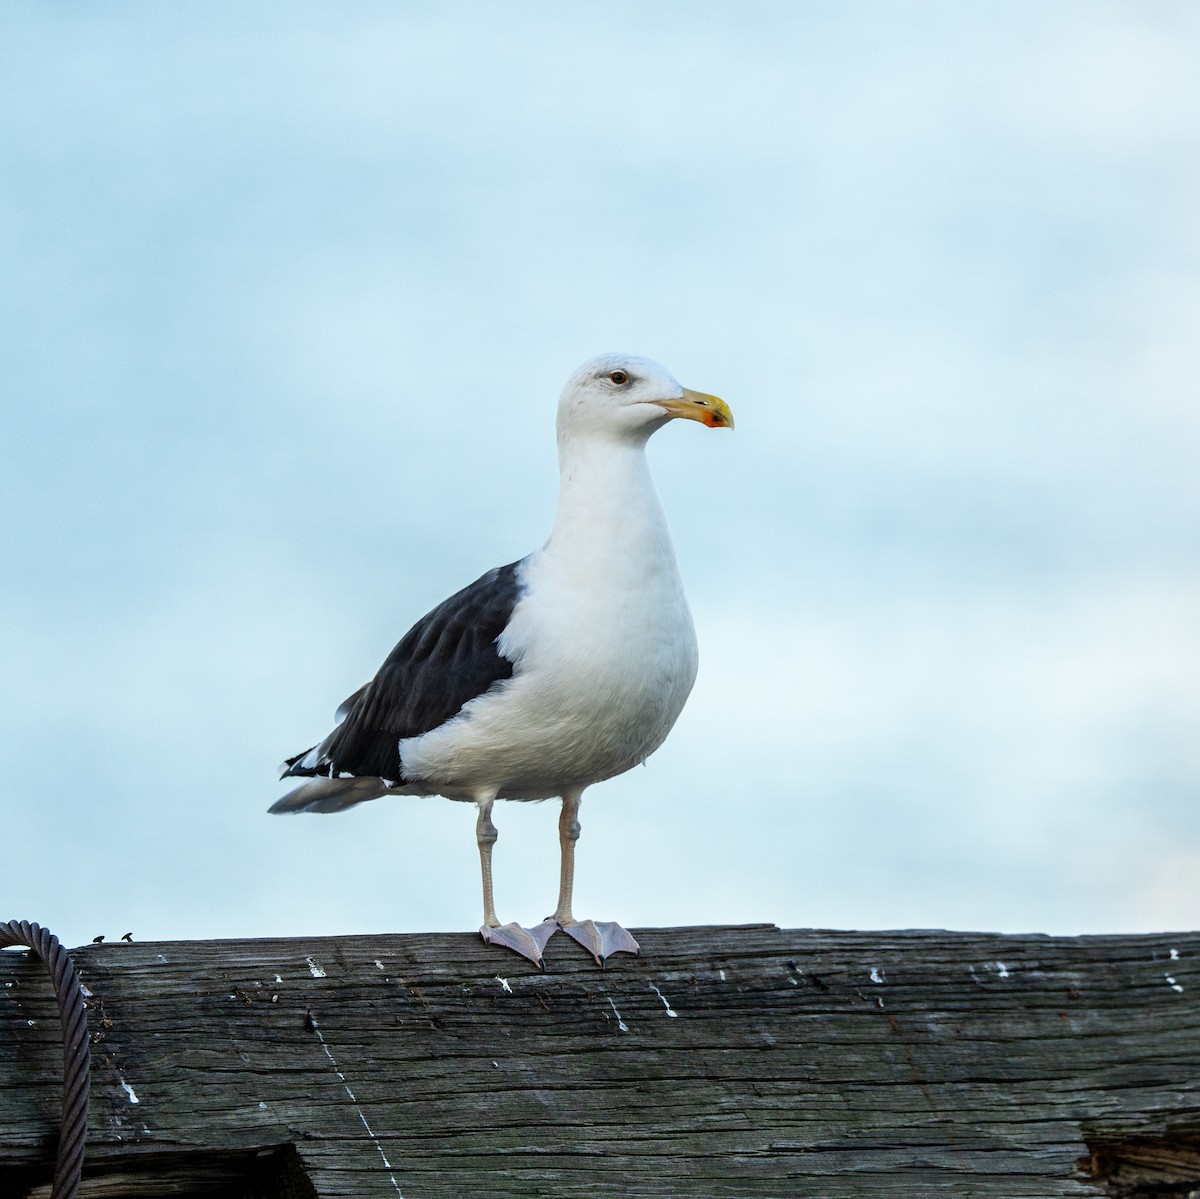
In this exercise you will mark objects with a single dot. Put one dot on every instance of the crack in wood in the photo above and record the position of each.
(1133, 1167)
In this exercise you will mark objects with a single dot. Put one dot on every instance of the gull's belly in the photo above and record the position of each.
(596, 692)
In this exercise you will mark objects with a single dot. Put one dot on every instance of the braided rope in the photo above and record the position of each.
(76, 1051)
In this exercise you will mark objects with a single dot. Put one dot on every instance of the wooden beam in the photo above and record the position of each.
(723, 1062)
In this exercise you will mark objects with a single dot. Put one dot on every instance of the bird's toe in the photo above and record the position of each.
(541, 933)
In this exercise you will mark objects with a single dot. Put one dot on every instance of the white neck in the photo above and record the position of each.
(610, 523)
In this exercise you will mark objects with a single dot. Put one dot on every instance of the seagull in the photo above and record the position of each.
(549, 674)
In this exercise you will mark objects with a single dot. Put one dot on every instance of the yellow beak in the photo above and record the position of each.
(696, 405)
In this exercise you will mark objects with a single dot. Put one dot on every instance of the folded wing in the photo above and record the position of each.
(446, 659)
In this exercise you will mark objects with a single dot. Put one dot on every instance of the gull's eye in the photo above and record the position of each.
(620, 378)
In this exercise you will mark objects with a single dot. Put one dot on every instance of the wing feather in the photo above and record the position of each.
(444, 661)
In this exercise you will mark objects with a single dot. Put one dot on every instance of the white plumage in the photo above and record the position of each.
(602, 645)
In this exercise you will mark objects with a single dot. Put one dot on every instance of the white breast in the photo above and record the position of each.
(603, 647)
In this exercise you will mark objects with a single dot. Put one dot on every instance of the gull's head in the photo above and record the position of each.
(625, 397)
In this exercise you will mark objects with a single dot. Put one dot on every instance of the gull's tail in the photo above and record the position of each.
(322, 794)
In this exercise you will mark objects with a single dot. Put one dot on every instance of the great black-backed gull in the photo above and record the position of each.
(546, 675)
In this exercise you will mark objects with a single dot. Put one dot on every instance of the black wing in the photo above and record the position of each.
(445, 660)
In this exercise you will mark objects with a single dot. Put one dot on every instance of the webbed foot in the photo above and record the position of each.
(601, 938)
(528, 942)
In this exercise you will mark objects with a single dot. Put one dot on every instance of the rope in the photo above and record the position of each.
(76, 1052)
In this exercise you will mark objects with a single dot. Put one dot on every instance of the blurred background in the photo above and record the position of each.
(289, 292)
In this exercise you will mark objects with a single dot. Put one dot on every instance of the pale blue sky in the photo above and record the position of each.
(289, 291)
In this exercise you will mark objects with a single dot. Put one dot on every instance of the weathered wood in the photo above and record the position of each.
(723, 1062)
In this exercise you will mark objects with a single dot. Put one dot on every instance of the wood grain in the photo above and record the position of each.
(724, 1062)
